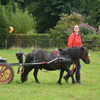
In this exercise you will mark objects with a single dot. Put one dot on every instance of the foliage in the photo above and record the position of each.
(4, 2)
(2, 41)
(40, 8)
(3, 26)
(85, 29)
(48, 12)
(3, 21)
(22, 21)
(19, 19)
(92, 37)
(92, 10)
(66, 22)
(43, 18)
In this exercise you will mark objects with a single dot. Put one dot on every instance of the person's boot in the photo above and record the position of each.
(78, 78)
(66, 77)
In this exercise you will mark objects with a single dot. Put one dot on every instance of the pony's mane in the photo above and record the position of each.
(74, 53)
(63, 51)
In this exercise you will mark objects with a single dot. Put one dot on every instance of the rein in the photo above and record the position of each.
(85, 58)
(76, 67)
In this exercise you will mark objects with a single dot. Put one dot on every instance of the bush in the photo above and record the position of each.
(65, 23)
(85, 29)
(3, 22)
(92, 37)
(2, 41)
(22, 21)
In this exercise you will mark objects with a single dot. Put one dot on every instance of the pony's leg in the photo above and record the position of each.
(23, 77)
(27, 69)
(73, 80)
(61, 74)
(71, 74)
(35, 74)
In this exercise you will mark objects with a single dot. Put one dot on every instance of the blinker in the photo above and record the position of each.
(88, 54)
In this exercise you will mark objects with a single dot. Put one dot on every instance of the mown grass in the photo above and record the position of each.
(49, 89)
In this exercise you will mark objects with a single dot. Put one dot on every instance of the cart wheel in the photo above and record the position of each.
(6, 73)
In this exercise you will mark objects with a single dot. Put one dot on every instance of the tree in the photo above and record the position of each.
(3, 22)
(22, 20)
(92, 10)
(48, 12)
(65, 23)
(4, 2)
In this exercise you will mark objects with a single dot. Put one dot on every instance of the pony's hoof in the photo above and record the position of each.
(22, 81)
(66, 79)
(38, 82)
(59, 83)
(79, 83)
(74, 83)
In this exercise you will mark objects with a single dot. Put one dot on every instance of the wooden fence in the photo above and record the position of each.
(50, 43)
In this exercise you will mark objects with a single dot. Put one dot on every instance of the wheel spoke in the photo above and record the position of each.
(2, 68)
(7, 73)
(5, 69)
(5, 77)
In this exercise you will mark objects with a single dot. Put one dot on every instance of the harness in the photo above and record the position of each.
(35, 56)
(57, 55)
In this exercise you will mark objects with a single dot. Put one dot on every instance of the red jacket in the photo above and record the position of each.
(74, 40)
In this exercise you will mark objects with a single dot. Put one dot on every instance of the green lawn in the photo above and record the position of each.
(49, 89)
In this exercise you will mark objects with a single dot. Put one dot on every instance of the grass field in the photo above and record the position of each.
(49, 89)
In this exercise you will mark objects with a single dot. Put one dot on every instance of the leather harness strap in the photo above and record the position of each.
(57, 55)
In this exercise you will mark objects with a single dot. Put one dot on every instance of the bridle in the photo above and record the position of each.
(85, 58)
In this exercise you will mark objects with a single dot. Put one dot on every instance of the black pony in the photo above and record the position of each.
(40, 55)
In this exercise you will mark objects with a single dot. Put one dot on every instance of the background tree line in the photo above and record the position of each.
(48, 12)
(56, 17)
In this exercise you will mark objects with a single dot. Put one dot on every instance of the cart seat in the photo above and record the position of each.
(3, 59)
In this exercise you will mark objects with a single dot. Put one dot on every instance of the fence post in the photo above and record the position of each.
(5, 43)
(92, 45)
(99, 29)
(20, 42)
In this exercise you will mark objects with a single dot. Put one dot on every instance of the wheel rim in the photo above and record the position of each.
(5, 74)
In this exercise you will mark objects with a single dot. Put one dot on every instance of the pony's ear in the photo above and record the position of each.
(61, 50)
(69, 50)
(82, 48)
